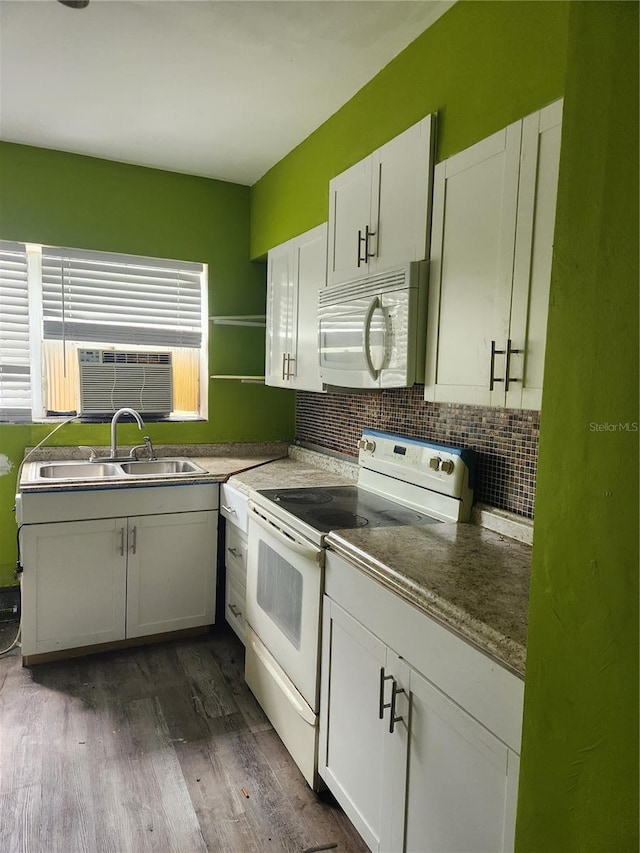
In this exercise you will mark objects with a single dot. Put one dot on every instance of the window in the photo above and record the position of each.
(56, 303)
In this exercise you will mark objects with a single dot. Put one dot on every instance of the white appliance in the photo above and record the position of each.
(371, 331)
(401, 481)
(112, 379)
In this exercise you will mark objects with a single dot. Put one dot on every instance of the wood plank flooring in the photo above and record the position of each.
(161, 748)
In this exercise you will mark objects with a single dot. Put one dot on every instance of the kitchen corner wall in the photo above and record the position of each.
(505, 440)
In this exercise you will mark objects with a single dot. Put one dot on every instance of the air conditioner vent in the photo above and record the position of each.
(110, 380)
(110, 357)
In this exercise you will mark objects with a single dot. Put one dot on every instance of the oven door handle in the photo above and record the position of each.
(309, 552)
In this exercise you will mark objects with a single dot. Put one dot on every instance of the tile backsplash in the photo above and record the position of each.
(505, 440)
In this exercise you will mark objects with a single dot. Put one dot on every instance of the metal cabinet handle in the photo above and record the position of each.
(235, 611)
(362, 240)
(363, 259)
(395, 690)
(229, 509)
(507, 378)
(367, 234)
(494, 352)
(134, 539)
(234, 552)
(122, 541)
(290, 360)
(383, 705)
(284, 362)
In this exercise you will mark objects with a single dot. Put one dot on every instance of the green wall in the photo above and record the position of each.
(579, 772)
(65, 199)
(480, 66)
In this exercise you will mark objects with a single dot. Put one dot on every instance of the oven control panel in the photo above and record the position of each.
(441, 468)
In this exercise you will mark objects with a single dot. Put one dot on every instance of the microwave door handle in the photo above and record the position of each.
(366, 337)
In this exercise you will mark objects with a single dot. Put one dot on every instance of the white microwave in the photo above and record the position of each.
(371, 332)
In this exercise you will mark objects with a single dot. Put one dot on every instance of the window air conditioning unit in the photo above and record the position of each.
(110, 380)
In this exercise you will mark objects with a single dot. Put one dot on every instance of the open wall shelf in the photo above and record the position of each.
(239, 320)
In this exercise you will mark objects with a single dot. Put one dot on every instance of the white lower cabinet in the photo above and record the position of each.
(361, 762)
(413, 769)
(98, 581)
(170, 585)
(461, 779)
(74, 584)
(235, 561)
(233, 507)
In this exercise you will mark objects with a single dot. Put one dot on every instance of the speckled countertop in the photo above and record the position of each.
(302, 468)
(219, 461)
(473, 580)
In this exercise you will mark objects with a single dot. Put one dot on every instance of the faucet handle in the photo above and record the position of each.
(149, 445)
(93, 453)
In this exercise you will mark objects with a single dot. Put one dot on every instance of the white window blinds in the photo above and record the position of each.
(15, 373)
(120, 299)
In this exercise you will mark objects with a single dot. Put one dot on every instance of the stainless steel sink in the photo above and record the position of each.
(157, 467)
(97, 471)
(78, 470)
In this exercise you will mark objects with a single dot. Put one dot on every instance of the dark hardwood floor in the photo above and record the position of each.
(161, 748)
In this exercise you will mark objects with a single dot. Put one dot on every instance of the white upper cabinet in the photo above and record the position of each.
(280, 307)
(296, 271)
(539, 166)
(492, 240)
(379, 208)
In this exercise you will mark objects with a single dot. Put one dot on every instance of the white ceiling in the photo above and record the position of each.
(222, 89)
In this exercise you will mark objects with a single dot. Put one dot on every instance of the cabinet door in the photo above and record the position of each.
(401, 193)
(280, 316)
(73, 585)
(538, 185)
(472, 252)
(460, 781)
(354, 741)
(349, 216)
(310, 277)
(171, 577)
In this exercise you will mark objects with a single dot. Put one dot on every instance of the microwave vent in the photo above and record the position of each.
(110, 380)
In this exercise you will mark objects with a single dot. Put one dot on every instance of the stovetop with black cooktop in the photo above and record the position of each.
(327, 508)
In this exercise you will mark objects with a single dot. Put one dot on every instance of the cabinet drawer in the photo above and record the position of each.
(234, 609)
(235, 552)
(233, 506)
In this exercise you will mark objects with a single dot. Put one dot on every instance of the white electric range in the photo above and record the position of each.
(401, 481)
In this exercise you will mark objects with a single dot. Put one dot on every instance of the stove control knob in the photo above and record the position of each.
(447, 466)
(366, 444)
(434, 462)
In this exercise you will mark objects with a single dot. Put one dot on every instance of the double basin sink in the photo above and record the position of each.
(124, 469)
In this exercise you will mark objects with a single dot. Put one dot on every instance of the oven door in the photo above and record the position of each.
(284, 594)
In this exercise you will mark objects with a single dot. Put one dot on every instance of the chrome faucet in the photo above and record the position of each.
(114, 421)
